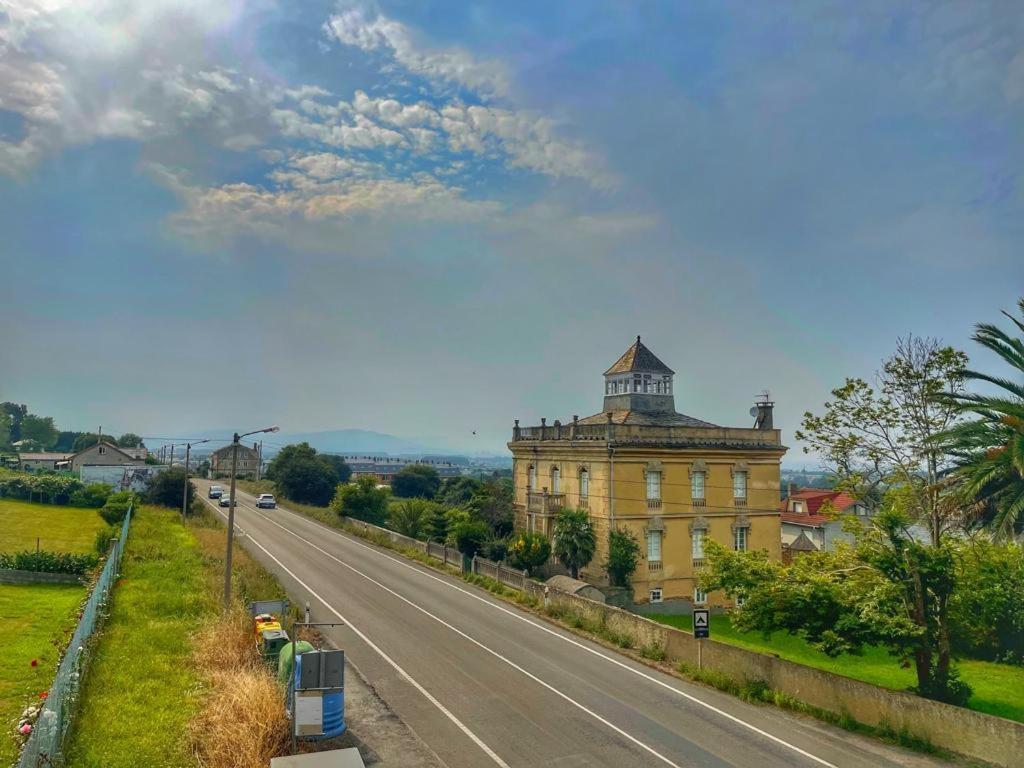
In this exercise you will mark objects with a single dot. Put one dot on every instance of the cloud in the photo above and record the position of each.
(356, 27)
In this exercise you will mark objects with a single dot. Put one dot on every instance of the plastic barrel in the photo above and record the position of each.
(333, 704)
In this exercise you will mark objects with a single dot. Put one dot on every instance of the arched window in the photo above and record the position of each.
(584, 485)
(532, 475)
(555, 479)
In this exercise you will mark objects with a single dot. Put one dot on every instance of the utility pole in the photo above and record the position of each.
(171, 462)
(184, 492)
(231, 510)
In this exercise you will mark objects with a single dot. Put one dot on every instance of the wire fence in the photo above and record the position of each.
(45, 743)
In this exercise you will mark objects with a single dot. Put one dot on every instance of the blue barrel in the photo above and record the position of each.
(334, 708)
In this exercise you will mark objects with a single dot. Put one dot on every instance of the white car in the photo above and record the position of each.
(267, 501)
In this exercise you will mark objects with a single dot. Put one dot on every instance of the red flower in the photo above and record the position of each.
(44, 694)
(35, 662)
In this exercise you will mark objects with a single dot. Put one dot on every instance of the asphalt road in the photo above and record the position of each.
(485, 684)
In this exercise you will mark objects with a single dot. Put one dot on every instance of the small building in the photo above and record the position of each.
(384, 468)
(248, 461)
(31, 462)
(673, 481)
(815, 513)
(102, 454)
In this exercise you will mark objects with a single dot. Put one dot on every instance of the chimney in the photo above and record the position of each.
(763, 413)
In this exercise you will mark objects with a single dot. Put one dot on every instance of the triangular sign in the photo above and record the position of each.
(701, 620)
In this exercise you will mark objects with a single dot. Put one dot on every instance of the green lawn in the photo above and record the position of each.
(35, 622)
(59, 529)
(998, 688)
(141, 689)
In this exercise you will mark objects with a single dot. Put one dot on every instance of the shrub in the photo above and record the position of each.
(470, 536)
(166, 488)
(92, 496)
(104, 536)
(361, 500)
(623, 557)
(416, 480)
(575, 540)
(410, 518)
(116, 508)
(49, 562)
(529, 550)
(495, 549)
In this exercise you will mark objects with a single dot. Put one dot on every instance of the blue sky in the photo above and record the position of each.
(430, 218)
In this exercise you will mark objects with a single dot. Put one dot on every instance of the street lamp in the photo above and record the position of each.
(231, 509)
(184, 493)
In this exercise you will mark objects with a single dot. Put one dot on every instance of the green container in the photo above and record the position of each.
(284, 659)
(271, 643)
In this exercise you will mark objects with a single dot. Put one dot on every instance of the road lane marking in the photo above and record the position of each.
(606, 657)
(447, 713)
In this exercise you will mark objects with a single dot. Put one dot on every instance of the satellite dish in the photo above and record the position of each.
(753, 410)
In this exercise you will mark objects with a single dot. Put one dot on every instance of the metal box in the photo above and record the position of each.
(322, 669)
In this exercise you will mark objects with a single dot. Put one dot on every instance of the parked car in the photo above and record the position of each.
(225, 500)
(266, 500)
(216, 491)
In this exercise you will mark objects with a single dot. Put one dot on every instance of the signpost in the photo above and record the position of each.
(701, 631)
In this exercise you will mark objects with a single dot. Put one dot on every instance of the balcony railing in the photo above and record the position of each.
(654, 503)
(654, 565)
(699, 502)
(698, 563)
(544, 503)
(737, 502)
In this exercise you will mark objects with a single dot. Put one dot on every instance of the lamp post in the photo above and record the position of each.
(184, 492)
(231, 509)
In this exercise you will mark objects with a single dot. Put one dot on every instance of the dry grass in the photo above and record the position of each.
(242, 721)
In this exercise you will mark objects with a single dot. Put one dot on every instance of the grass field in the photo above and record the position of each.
(998, 688)
(141, 669)
(35, 622)
(59, 529)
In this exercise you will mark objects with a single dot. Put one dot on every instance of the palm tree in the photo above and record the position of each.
(989, 449)
(575, 540)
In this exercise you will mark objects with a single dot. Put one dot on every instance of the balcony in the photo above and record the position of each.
(738, 502)
(698, 563)
(654, 565)
(699, 502)
(544, 503)
(654, 503)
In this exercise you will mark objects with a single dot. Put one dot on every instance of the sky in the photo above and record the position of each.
(432, 218)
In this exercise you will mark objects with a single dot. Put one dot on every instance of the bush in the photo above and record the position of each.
(987, 607)
(529, 550)
(411, 518)
(623, 557)
(166, 488)
(470, 536)
(116, 508)
(416, 481)
(495, 549)
(362, 500)
(104, 536)
(49, 562)
(92, 496)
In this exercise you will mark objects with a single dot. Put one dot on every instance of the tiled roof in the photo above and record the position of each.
(814, 499)
(639, 358)
(655, 419)
(803, 544)
(48, 456)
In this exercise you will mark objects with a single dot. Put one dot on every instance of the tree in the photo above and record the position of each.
(361, 500)
(889, 590)
(492, 504)
(437, 524)
(416, 480)
(457, 491)
(987, 608)
(872, 440)
(623, 557)
(343, 470)
(989, 449)
(302, 475)
(411, 518)
(15, 413)
(166, 488)
(5, 429)
(87, 440)
(470, 536)
(529, 550)
(40, 429)
(66, 441)
(575, 540)
(130, 440)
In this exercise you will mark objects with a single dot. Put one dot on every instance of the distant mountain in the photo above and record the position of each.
(357, 441)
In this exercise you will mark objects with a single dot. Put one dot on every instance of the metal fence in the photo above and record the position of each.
(44, 745)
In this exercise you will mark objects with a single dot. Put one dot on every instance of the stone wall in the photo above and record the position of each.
(11, 576)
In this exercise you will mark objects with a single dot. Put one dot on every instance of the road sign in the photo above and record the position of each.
(701, 623)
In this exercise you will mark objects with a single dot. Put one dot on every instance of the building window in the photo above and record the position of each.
(584, 484)
(654, 546)
(532, 482)
(102, 449)
(697, 485)
(555, 479)
(798, 507)
(700, 597)
(740, 539)
(653, 485)
(656, 595)
(739, 485)
(698, 544)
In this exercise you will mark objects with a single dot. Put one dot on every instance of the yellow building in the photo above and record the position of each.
(672, 480)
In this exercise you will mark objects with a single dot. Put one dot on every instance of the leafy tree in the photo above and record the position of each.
(361, 500)
(492, 504)
(889, 590)
(87, 440)
(437, 524)
(457, 491)
(5, 429)
(15, 414)
(575, 540)
(987, 608)
(529, 550)
(989, 448)
(416, 480)
(301, 474)
(40, 429)
(495, 549)
(166, 488)
(130, 440)
(411, 518)
(470, 536)
(343, 470)
(623, 557)
(872, 440)
(66, 441)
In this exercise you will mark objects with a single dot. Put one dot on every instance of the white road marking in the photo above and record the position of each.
(606, 657)
(447, 713)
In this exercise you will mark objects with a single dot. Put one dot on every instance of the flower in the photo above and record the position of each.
(25, 729)
(44, 694)
(34, 663)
